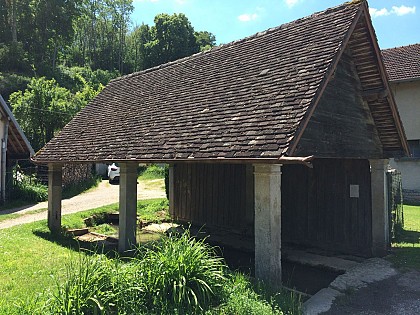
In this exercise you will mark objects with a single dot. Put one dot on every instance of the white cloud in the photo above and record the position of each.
(378, 12)
(181, 2)
(401, 10)
(291, 3)
(248, 17)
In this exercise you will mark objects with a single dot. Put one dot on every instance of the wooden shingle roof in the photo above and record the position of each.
(402, 63)
(249, 99)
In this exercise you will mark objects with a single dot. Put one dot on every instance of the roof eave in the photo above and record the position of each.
(306, 160)
(405, 80)
(385, 79)
(16, 124)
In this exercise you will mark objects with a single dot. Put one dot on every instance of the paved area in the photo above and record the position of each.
(104, 194)
(372, 287)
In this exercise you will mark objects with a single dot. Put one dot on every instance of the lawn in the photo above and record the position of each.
(33, 263)
(406, 248)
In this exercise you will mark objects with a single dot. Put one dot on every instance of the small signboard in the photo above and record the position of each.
(354, 191)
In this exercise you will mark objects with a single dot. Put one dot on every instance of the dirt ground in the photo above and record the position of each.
(399, 294)
(102, 195)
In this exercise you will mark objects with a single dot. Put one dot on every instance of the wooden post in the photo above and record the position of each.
(268, 223)
(55, 174)
(127, 206)
(380, 218)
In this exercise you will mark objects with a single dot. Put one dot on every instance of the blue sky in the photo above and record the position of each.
(397, 22)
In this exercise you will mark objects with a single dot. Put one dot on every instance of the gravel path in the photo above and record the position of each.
(104, 194)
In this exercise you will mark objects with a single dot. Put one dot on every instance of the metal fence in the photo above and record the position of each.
(395, 202)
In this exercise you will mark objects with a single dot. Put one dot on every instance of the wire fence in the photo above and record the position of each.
(395, 202)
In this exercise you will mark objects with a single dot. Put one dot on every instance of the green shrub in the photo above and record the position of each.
(153, 172)
(242, 299)
(29, 190)
(180, 274)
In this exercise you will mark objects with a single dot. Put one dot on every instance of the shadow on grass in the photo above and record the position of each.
(67, 241)
(407, 236)
(78, 188)
(406, 249)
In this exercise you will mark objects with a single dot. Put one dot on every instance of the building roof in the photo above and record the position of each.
(18, 146)
(250, 99)
(402, 63)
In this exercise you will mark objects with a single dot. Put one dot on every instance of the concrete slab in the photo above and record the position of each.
(159, 227)
(320, 302)
(372, 270)
(362, 274)
(333, 263)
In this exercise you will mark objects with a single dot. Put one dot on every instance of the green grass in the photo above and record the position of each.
(150, 210)
(39, 270)
(406, 250)
(27, 263)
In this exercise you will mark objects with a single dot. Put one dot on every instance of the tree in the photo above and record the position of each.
(172, 37)
(45, 108)
(205, 40)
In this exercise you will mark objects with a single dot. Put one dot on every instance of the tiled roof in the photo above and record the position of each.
(243, 100)
(402, 63)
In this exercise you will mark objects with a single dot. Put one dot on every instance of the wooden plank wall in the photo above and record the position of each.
(341, 125)
(218, 195)
(317, 209)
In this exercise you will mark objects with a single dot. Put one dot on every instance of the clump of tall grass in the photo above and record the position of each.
(181, 273)
(241, 298)
(88, 287)
(176, 275)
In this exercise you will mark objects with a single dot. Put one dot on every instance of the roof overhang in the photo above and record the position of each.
(18, 145)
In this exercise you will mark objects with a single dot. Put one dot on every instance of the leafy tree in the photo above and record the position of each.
(205, 40)
(100, 34)
(45, 108)
(136, 54)
(172, 37)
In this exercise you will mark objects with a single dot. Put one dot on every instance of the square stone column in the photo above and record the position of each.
(127, 206)
(55, 178)
(267, 185)
(380, 216)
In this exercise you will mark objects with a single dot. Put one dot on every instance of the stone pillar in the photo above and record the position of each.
(55, 178)
(127, 206)
(380, 218)
(171, 192)
(268, 223)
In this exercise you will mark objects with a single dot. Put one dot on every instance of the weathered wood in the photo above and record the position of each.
(342, 125)
(214, 195)
(317, 208)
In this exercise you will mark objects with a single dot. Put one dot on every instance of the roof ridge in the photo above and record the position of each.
(409, 45)
(245, 39)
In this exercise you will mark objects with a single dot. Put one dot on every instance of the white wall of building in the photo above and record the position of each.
(407, 96)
